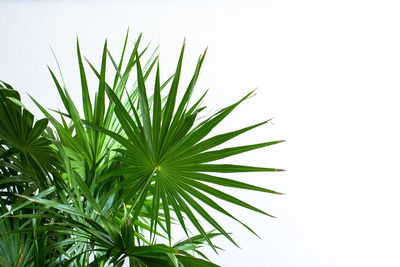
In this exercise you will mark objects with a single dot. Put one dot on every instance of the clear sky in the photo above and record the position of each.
(328, 72)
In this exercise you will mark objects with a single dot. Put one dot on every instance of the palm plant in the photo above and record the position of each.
(106, 186)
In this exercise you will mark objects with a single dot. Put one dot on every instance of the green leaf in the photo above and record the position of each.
(87, 105)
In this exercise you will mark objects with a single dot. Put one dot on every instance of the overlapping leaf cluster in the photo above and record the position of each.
(106, 186)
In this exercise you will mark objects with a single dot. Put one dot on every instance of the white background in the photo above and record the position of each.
(327, 71)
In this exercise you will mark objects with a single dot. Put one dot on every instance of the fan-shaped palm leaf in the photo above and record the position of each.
(168, 150)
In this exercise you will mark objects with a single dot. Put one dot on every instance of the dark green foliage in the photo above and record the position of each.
(104, 187)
